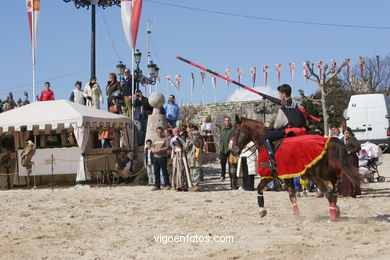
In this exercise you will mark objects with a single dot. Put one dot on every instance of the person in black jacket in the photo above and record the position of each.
(149, 161)
(142, 110)
(127, 84)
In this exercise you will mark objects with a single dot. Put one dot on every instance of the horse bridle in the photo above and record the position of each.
(235, 142)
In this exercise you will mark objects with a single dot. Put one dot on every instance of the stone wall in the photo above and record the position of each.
(250, 109)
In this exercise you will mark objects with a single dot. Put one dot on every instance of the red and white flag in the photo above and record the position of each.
(159, 80)
(253, 75)
(319, 66)
(178, 80)
(192, 80)
(131, 14)
(239, 73)
(362, 61)
(348, 61)
(202, 76)
(33, 7)
(170, 81)
(214, 81)
(227, 71)
(278, 70)
(333, 63)
(292, 68)
(305, 72)
(265, 71)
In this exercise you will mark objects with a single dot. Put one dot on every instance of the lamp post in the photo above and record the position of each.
(120, 68)
(93, 3)
(152, 70)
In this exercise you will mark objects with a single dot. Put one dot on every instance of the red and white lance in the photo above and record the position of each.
(362, 61)
(178, 80)
(192, 87)
(278, 70)
(131, 14)
(33, 7)
(202, 76)
(265, 71)
(239, 73)
(214, 82)
(253, 75)
(292, 68)
(305, 72)
(319, 65)
(348, 61)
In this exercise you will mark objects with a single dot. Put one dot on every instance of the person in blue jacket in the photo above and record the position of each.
(172, 111)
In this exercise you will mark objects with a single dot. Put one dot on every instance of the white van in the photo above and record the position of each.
(368, 117)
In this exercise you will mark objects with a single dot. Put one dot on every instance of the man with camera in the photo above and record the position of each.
(142, 110)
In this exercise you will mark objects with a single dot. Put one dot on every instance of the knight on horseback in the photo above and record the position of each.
(291, 120)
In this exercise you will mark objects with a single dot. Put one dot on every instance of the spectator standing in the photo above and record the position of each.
(247, 166)
(77, 94)
(172, 111)
(142, 110)
(208, 128)
(224, 138)
(112, 89)
(149, 161)
(127, 91)
(93, 94)
(47, 94)
(159, 148)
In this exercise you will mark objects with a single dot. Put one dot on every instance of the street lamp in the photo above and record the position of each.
(120, 68)
(93, 3)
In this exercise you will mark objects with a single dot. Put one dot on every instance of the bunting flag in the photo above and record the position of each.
(377, 64)
(159, 80)
(170, 81)
(227, 71)
(239, 73)
(214, 82)
(305, 72)
(292, 68)
(202, 76)
(319, 65)
(362, 61)
(333, 63)
(253, 75)
(192, 87)
(131, 14)
(348, 61)
(278, 70)
(265, 70)
(178, 80)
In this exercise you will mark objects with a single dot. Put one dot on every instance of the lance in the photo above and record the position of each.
(270, 98)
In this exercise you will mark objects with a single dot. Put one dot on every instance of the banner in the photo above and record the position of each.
(319, 65)
(265, 70)
(170, 81)
(227, 71)
(135, 18)
(292, 67)
(348, 61)
(178, 80)
(278, 70)
(305, 72)
(362, 61)
(253, 75)
(192, 87)
(239, 72)
(202, 76)
(214, 82)
(33, 7)
(333, 63)
(131, 14)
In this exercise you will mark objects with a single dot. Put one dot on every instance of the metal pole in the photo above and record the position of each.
(33, 54)
(93, 41)
(132, 95)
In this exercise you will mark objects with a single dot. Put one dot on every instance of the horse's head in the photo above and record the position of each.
(240, 135)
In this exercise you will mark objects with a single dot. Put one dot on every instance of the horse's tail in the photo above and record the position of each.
(338, 159)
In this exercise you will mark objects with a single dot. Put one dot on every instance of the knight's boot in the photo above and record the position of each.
(269, 146)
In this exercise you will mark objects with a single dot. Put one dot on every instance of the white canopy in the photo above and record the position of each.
(58, 112)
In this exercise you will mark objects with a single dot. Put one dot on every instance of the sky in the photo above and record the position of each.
(213, 40)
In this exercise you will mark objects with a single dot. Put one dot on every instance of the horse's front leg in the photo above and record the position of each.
(330, 194)
(260, 196)
(292, 195)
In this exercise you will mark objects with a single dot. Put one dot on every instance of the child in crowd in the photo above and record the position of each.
(149, 160)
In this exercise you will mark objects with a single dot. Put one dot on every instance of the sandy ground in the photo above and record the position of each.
(122, 222)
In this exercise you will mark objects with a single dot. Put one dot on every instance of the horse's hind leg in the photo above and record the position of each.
(330, 195)
(292, 195)
(260, 196)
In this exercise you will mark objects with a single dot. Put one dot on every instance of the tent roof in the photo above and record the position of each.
(58, 112)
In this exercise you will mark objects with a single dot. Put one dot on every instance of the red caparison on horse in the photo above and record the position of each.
(317, 158)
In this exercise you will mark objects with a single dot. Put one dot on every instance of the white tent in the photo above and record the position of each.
(63, 114)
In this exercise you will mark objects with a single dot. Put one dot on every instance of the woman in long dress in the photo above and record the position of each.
(207, 130)
(181, 179)
(93, 94)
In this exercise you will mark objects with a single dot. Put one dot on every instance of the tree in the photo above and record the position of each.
(375, 77)
(324, 80)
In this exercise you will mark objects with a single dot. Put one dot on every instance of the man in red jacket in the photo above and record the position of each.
(46, 94)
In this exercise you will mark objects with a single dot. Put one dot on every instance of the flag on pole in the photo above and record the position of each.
(265, 71)
(292, 67)
(348, 61)
(214, 82)
(33, 7)
(253, 75)
(227, 71)
(239, 73)
(170, 81)
(305, 72)
(319, 65)
(178, 80)
(362, 61)
(333, 63)
(131, 14)
(202, 76)
(192, 87)
(278, 70)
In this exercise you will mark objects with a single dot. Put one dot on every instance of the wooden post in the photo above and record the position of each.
(117, 136)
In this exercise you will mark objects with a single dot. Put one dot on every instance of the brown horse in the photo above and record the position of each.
(334, 161)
